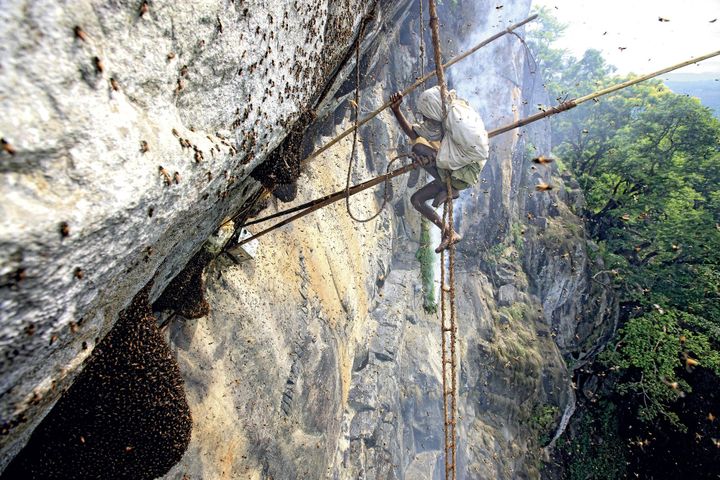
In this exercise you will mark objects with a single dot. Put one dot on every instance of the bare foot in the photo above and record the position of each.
(441, 197)
(450, 238)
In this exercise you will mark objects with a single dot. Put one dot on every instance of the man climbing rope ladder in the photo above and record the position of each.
(456, 146)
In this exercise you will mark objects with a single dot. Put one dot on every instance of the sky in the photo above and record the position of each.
(649, 44)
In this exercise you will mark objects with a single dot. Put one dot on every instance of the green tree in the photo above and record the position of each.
(648, 161)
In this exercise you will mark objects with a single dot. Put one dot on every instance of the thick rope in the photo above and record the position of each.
(353, 151)
(437, 50)
(453, 326)
(443, 330)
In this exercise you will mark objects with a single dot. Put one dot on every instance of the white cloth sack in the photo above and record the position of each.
(465, 140)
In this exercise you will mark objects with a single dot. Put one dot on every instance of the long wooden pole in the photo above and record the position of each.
(328, 199)
(577, 101)
(415, 85)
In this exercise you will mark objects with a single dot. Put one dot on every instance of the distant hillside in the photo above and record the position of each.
(706, 89)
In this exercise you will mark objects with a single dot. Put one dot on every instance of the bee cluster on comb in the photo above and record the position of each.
(126, 415)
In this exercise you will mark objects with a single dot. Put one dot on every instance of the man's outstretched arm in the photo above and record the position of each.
(396, 100)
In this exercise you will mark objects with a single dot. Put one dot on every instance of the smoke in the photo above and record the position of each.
(483, 79)
(492, 80)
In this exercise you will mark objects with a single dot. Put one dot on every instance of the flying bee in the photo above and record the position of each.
(7, 147)
(79, 274)
(114, 84)
(690, 362)
(144, 8)
(144, 148)
(542, 160)
(711, 417)
(176, 178)
(543, 187)
(673, 385)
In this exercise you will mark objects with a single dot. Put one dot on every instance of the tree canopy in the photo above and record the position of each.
(648, 161)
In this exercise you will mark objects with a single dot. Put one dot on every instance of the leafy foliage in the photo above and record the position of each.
(648, 161)
(426, 256)
(596, 451)
(542, 422)
(655, 345)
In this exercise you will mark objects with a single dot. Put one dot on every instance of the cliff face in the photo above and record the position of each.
(316, 359)
(135, 126)
(318, 356)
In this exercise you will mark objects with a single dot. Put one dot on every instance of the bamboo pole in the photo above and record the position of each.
(577, 101)
(328, 199)
(415, 85)
(314, 205)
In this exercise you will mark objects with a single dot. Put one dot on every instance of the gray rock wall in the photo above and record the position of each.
(101, 195)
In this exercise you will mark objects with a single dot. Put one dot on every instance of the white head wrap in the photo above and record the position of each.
(430, 103)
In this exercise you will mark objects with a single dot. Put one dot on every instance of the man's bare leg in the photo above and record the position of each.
(419, 201)
(421, 197)
(426, 156)
(437, 191)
